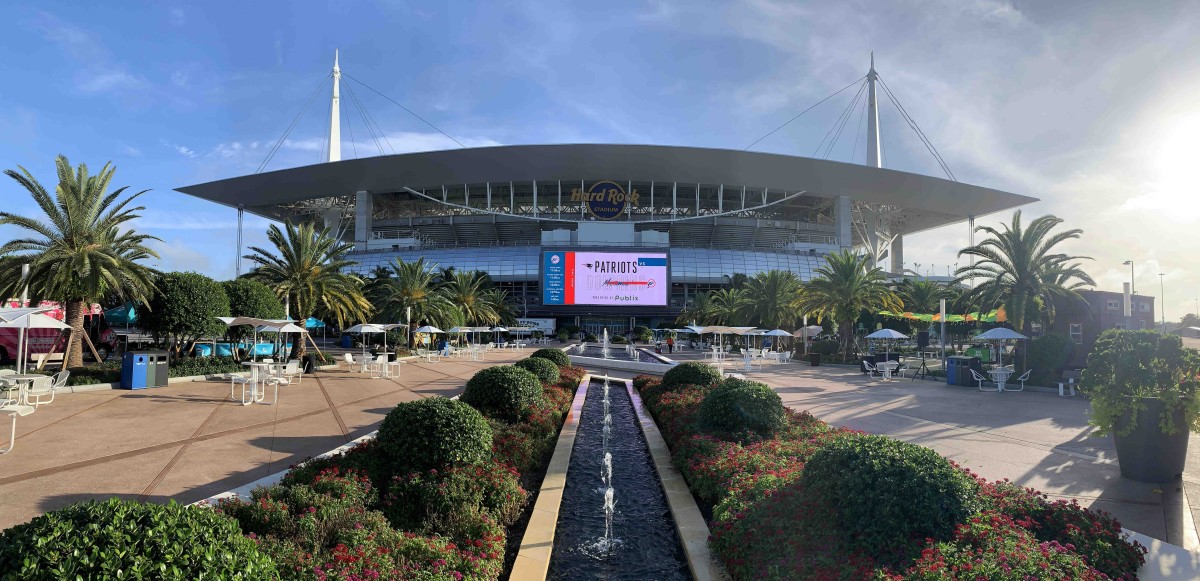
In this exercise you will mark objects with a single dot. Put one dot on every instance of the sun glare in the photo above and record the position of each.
(1177, 160)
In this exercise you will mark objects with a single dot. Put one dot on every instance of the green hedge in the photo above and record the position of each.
(690, 373)
(504, 391)
(432, 433)
(119, 539)
(556, 356)
(889, 496)
(545, 370)
(741, 410)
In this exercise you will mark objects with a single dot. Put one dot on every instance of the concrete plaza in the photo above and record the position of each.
(188, 441)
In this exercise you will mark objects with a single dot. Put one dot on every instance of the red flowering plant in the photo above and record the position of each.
(1094, 535)
(991, 545)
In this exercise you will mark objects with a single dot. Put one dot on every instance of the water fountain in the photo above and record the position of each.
(593, 539)
(604, 349)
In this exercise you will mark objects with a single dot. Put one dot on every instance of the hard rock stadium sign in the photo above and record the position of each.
(605, 199)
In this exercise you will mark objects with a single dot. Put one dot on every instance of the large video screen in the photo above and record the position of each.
(605, 278)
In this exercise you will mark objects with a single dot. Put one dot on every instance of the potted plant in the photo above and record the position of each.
(1145, 392)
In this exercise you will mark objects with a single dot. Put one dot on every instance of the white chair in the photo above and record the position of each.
(292, 373)
(977, 377)
(251, 381)
(870, 368)
(13, 409)
(750, 361)
(1069, 384)
(1022, 379)
(785, 357)
(45, 387)
(348, 359)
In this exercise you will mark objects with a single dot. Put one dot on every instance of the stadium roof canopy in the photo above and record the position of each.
(927, 202)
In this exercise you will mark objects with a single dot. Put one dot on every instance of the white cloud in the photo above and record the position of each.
(180, 149)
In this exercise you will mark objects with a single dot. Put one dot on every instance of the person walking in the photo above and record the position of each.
(670, 344)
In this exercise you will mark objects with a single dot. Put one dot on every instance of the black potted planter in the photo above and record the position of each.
(1147, 454)
(814, 359)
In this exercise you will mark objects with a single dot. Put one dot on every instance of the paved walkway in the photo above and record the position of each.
(188, 441)
(1033, 439)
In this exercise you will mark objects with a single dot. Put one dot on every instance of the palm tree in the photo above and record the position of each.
(498, 299)
(845, 286)
(414, 288)
(83, 250)
(770, 299)
(468, 291)
(1019, 266)
(308, 274)
(726, 304)
(699, 311)
(922, 296)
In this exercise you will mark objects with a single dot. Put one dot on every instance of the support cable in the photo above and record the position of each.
(288, 131)
(370, 130)
(350, 127)
(409, 111)
(840, 124)
(370, 119)
(916, 128)
(789, 121)
(858, 132)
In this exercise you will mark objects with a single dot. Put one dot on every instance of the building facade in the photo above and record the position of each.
(691, 218)
(1100, 311)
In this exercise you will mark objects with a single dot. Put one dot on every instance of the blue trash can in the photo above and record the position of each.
(347, 341)
(135, 366)
(951, 371)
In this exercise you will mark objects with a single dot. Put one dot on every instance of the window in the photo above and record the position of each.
(1143, 307)
(1144, 324)
(1077, 333)
(1114, 305)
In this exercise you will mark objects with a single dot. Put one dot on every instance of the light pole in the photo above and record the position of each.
(1132, 293)
(1162, 298)
(1132, 285)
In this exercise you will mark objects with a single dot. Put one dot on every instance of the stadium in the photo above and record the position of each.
(609, 235)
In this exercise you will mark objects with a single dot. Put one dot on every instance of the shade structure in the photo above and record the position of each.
(428, 329)
(887, 334)
(498, 329)
(122, 315)
(809, 331)
(999, 334)
(24, 319)
(7, 315)
(365, 328)
(314, 323)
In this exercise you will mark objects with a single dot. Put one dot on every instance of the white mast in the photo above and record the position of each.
(335, 121)
(873, 157)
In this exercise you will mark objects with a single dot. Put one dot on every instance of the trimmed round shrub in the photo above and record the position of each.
(102, 540)
(556, 356)
(888, 496)
(545, 370)
(433, 433)
(742, 408)
(690, 373)
(618, 340)
(505, 392)
(415, 500)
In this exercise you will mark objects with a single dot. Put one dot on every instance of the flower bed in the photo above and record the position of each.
(380, 512)
(769, 521)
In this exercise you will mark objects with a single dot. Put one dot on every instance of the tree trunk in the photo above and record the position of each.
(298, 347)
(846, 328)
(74, 355)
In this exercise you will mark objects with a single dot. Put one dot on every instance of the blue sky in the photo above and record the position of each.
(1087, 105)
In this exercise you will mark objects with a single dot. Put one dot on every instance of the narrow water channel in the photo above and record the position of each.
(643, 540)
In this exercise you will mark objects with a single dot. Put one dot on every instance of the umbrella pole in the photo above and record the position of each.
(21, 355)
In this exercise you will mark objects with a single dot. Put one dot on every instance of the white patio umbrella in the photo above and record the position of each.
(777, 333)
(999, 334)
(25, 320)
(280, 327)
(890, 335)
(364, 328)
(496, 332)
(430, 329)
